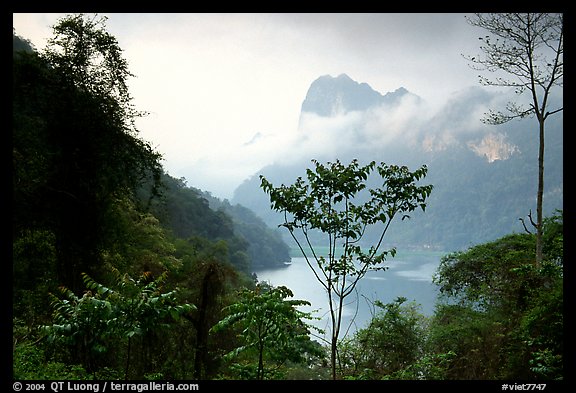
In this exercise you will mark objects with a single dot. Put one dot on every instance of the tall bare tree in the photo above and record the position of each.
(525, 52)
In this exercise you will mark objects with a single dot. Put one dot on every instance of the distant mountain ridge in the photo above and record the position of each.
(484, 177)
(329, 96)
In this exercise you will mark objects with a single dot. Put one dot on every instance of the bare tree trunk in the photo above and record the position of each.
(260, 371)
(127, 359)
(540, 195)
(333, 356)
(201, 323)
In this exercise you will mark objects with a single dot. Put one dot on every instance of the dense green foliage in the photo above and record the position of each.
(504, 308)
(187, 215)
(92, 208)
(266, 248)
(121, 271)
(501, 317)
(75, 149)
(272, 328)
(391, 342)
(107, 323)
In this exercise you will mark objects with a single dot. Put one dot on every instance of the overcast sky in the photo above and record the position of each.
(212, 82)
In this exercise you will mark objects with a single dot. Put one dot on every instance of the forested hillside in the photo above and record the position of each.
(189, 212)
(266, 246)
(96, 214)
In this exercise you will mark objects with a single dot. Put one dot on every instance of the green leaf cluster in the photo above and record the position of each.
(502, 314)
(392, 342)
(271, 328)
(93, 322)
(326, 202)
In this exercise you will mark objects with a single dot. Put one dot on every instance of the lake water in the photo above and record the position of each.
(409, 275)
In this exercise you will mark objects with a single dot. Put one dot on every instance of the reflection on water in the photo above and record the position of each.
(409, 275)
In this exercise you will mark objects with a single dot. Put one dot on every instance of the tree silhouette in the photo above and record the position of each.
(528, 49)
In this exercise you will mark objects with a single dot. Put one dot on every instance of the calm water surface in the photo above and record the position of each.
(409, 275)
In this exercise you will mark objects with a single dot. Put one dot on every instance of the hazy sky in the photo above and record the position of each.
(212, 82)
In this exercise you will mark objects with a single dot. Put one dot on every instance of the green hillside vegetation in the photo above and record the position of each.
(242, 237)
(266, 247)
(121, 271)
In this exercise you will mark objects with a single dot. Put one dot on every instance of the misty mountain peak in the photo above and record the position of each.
(329, 96)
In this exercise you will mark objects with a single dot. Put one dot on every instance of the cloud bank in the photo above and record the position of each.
(378, 133)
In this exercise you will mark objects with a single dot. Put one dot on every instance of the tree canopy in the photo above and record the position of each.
(75, 145)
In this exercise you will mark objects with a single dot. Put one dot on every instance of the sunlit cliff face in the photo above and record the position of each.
(493, 147)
